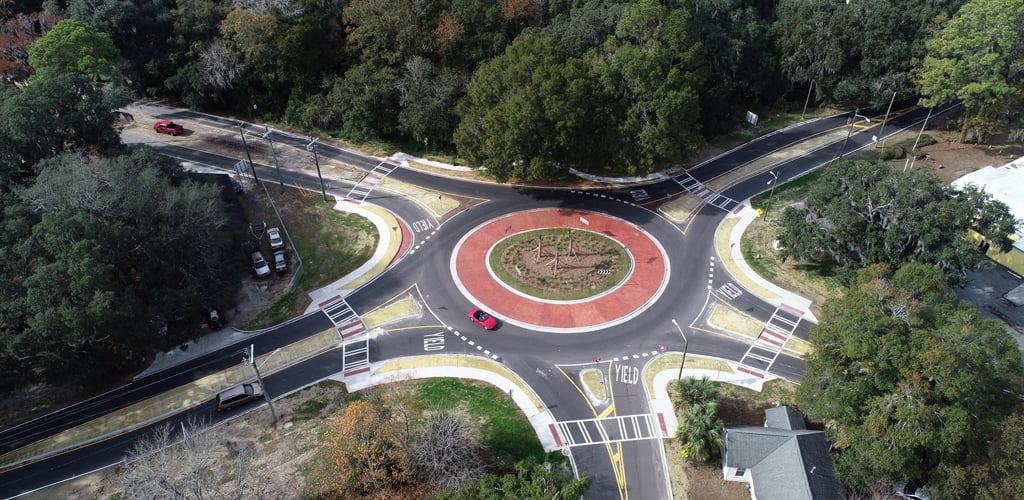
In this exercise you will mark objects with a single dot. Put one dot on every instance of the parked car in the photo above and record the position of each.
(910, 491)
(280, 262)
(168, 127)
(239, 395)
(259, 264)
(216, 320)
(483, 319)
(275, 238)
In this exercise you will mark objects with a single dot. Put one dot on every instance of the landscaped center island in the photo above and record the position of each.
(560, 263)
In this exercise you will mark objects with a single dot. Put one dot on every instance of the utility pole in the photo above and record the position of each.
(266, 135)
(881, 133)
(266, 394)
(849, 131)
(919, 134)
(312, 147)
(686, 344)
(806, 101)
(247, 155)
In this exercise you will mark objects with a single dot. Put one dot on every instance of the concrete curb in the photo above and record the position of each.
(732, 258)
(379, 255)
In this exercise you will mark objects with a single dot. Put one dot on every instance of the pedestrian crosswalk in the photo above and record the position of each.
(692, 185)
(608, 430)
(355, 343)
(765, 349)
(365, 186)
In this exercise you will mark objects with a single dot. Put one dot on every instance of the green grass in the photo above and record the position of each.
(747, 132)
(775, 390)
(331, 244)
(309, 409)
(502, 426)
(581, 239)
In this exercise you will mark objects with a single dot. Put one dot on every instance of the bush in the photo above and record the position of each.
(891, 153)
(926, 140)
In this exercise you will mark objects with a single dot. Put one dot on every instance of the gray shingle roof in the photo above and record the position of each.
(784, 464)
(784, 417)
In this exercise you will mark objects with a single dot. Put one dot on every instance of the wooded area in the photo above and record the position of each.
(529, 88)
(107, 253)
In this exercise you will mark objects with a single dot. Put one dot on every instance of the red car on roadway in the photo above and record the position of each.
(483, 319)
(168, 127)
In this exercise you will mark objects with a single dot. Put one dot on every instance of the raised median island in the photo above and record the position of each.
(560, 263)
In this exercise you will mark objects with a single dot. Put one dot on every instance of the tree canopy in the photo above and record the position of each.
(115, 256)
(976, 57)
(905, 379)
(74, 46)
(862, 213)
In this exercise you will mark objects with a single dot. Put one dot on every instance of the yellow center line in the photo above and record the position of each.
(606, 411)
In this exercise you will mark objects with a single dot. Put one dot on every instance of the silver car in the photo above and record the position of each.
(259, 264)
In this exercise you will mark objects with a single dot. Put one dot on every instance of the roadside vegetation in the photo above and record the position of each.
(408, 439)
(896, 363)
(330, 243)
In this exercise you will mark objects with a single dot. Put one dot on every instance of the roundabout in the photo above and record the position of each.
(637, 281)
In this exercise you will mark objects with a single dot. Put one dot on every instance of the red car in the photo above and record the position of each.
(168, 127)
(483, 319)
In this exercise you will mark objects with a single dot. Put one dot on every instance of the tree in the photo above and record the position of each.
(427, 99)
(975, 57)
(132, 250)
(65, 111)
(367, 99)
(206, 462)
(362, 452)
(533, 482)
(74, 46)
(993, 471)
(861, 213)
(651, 70)
(700, 430)
(695, 391)
(446, 455)
(140, 29)
(530, 112)
(904, 379)
(17, 33)
(857, 51)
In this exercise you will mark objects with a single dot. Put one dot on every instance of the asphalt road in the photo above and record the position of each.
(617, 470)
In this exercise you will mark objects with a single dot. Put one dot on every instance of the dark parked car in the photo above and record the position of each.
(168, 127)
(216, 320)
(239, 395)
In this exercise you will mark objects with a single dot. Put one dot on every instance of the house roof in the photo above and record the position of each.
(783, 463)
(784, 417)
(1005, 183)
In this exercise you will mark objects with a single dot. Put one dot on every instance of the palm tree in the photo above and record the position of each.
(697, 390)
(700, 430)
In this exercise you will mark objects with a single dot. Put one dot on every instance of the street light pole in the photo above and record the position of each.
(247, 155)
(849, 131)
(266, 394)
(686, 344)
(316, 160)
(773, 182)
